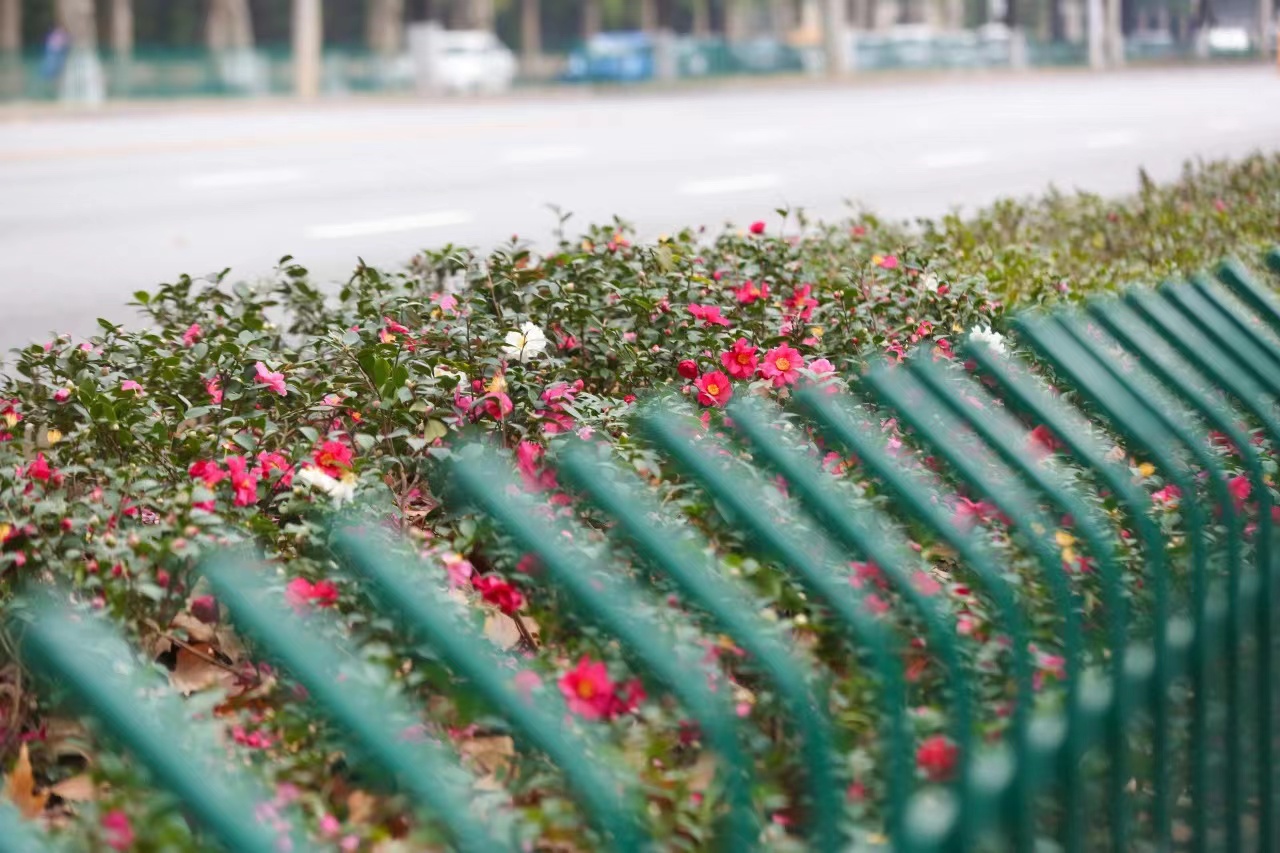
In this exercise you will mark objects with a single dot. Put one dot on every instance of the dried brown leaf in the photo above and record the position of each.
(195, 670)
(501, 630)
(703, 772)
(491, 756)
(76, 789)
(360, 807)
(20, 787)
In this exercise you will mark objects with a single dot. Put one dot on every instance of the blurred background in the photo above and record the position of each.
(141, 139)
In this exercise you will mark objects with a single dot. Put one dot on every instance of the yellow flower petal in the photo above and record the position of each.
(1064, 539)
(5, 530)
(498, 385)
(1146, 469)
(54, 436)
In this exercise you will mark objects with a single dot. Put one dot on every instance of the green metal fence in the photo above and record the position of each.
(1163, 738)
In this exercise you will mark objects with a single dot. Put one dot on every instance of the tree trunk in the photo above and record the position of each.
(229, 26)
(649, 16)
(702, 18)
(384, 26)
(473, 14)
(80, 21)
(530, 33)
(308, 42)
(10, 26)
(590, 18)
(122, 27)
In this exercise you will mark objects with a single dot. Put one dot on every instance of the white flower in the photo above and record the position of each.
(441, 372)
(340, 490)
(985, 335)
(526, 343)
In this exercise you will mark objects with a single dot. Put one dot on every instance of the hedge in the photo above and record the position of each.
(243, 413)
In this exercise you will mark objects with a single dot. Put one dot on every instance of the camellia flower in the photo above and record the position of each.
(214, 387)
(750, 292)
(801, 303)
(984, 334)
(782, 364)
(458, 568)
(274, 381)
(340, 489)
(62, 395)
(243, 480)
(498, 592)
(740, 361)
(1240, 488)
(713, 388)
(332, 457)
(936, 757)
(1042, 442)
(886, 262)
(757, 227)
(688, 368)
(117, 832)
(1168, 496)
(191, 335)
(39, 469)
(709, 314)
(301, 592)
(268, 462)
(526, 343)
(588, 689)
(208, 471)
(131, 385)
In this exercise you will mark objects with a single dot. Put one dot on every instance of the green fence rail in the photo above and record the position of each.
(1162, 737)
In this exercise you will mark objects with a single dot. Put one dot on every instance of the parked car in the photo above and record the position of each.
(473, 61)
(614, 57)
(1229, 40)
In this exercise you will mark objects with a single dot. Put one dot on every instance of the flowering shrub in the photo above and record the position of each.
(240, 414)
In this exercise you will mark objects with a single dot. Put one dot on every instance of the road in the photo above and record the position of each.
(94, 208)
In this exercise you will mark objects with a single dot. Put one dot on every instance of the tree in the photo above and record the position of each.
(385, 26)
(79, 19)
(229, 26)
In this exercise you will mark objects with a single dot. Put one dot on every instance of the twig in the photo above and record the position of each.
(524, 632)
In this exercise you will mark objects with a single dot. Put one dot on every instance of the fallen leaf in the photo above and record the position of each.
(193, 672)
(703, 772)
(20, 787)
(65, 737)
(501, 630)
(491, 757)
(76, 789)
(360, 807)
(197, 631)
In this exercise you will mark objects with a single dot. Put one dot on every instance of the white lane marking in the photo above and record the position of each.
(737, 184)
(955, 159)
(544, 154)
(390, 225)
(1110, 139)
(242, 178)
(758, 137)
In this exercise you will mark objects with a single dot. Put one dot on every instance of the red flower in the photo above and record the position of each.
(208, 471)
(300, 592)
(937, 758)
(782, 364)
(528, 461)
(39, 469)
(757, 227)
(273, 380)
(740, 361)
(687, 368)
(709, 314)
(1240, 488)
(1043, 442)
(243, 480)
(393, 326)
(333, 458)
(750, 292)
(1168, 496)
(713, 388)
(498, 592)
(588, 689)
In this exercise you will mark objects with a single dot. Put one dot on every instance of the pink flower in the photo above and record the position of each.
(301, 592)
(208, 471)
(937, 756)
(528, 461)
(243, 480)
(1042, 442)
(1168, 496)
(393, 326)
(329, 826)
(458, 568)
(1240, 488)
(591, 694)
(130, 385)
(750, 292)
(757, 227)
(740, 361)
(191, 335)
(782, 364)
(888, 262)
(62, 395)
(925, 584)
(447, 302)
(801, 303)
(332, 457)
(273, 381)
(713, 388)
(708, 314)
(214, 387)
(969, 512)
(268, 462)
(117, 832)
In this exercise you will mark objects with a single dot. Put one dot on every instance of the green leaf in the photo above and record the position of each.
(434, 429)
(365, 441)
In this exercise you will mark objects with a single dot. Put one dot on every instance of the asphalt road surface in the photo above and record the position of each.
(94, 208)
